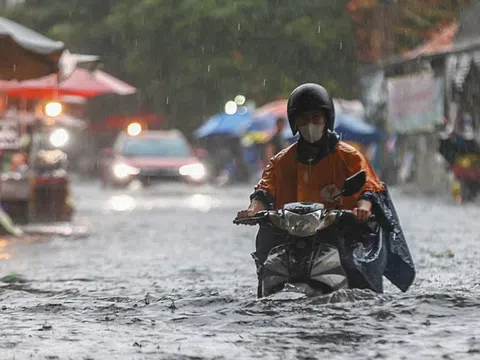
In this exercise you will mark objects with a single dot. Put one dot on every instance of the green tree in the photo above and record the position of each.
(188, 57)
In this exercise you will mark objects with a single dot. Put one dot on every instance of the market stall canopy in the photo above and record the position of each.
(26, 54)
(224, 124)
(81, 83)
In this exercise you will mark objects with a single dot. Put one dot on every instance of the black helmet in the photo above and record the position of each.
(309, 97)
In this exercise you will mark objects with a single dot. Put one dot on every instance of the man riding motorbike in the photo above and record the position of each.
(313, 170)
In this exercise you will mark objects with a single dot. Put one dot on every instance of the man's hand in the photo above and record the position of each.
(252, 210)
(363, 210)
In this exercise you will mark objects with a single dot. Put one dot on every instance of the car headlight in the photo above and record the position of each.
(195, 171)
(123, 171)
(303, 225)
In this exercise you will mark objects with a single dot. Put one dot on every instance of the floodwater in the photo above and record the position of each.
(162, 273)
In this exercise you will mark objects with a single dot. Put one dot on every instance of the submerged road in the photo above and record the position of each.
(161, 273)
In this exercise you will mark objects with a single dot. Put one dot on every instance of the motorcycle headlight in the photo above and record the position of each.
(303, 225)
(122, 171)
(195, 171)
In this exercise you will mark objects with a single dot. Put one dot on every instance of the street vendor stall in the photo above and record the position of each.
(26, 54)
(34, 182)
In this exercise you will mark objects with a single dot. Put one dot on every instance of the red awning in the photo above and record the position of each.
(439, 43)
(81, 83)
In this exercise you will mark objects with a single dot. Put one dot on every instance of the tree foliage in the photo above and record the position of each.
(188, 57)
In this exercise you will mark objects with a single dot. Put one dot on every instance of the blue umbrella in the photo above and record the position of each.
(266, 124)
(351, 128)
(223, 124)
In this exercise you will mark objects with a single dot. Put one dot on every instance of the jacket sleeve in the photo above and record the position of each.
(265, 190)
(355, 162)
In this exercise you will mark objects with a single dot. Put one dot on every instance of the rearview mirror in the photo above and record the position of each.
(354, 183)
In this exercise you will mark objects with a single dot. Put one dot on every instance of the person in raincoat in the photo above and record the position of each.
(313, 169)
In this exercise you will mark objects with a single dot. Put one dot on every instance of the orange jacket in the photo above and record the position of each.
(288, 180)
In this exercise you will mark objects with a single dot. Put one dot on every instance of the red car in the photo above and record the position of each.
(151, 156)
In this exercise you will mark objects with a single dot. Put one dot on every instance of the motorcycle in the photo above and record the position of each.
(312, 259)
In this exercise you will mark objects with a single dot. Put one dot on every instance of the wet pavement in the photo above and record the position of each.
(161, 273)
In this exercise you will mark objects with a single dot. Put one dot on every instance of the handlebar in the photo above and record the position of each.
(252, 220)
(260, 217)
(347, 215)
(247, 221)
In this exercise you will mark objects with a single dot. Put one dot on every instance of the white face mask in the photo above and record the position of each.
(312, 132)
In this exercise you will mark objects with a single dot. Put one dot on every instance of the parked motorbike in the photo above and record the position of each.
(312, 259)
